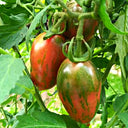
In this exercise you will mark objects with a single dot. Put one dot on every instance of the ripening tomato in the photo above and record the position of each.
(79, 88)
(46, 57)
(89, 27)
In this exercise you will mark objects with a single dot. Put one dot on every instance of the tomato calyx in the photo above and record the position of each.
(59, 18)
(72, 54)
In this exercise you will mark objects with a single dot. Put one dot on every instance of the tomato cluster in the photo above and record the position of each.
(78, 84)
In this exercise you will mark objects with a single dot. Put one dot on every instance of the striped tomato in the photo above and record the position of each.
(89, 28)
(79, 88)
(46, 57)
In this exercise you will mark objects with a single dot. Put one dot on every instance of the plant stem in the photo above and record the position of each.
(59, 18)
(96, 9)
(15, 48)
(26, 105)
(24, 6)
(104, 115)
(109, 67)
(15, 105)
(72, 14)
(39, 100)
(79, 37)
(4, 114)
(37, 95)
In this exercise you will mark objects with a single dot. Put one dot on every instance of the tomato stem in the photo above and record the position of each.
(37, 95)
(25, 6)
(104, 115)
(39, 100)
(15, 48)
(4, 113)
(15, 105)
(79, 37)
(72, 14)
(59, 18)
(86, 15)
(26, 105)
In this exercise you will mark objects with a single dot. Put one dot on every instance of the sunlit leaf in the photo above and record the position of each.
(122, 41)
(10, 71)
(14, 32)
(40, 120)
(35, 22)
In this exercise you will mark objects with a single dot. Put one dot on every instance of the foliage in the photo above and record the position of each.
(21, 103)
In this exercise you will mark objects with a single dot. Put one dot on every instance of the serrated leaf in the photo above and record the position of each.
(124, 118)
(40, 120)
(35, 22)
(122, 41)
(14, 32)
(24, 84)
(120, 102)
(10, 71)
(106, 19)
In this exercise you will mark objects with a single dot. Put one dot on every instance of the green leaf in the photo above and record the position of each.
(24, 84)
(14, 32)
(10, 1)
(124, 118)
(3, 122)
(2, 51)
(122, 41)
(10, 71)
(120, 102)
(70, 123)
(7, 101)
(35, 22)
(106, 19)
(119, 3)
(40, 120)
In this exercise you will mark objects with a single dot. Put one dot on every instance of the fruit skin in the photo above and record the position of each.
(79, 88)
(46, 57)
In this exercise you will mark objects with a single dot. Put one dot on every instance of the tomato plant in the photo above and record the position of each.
(46, 57)
(88, 32)
(79, 88)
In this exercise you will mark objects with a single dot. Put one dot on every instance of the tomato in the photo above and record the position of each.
(89, 27)
(46, 57)
(79, 88)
